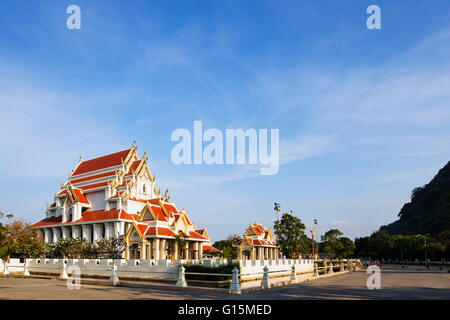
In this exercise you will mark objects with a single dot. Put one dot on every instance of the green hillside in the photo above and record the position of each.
(429, 209)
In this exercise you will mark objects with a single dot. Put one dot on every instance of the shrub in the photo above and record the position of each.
(225, 269)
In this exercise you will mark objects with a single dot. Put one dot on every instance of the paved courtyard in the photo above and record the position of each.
(396, 283)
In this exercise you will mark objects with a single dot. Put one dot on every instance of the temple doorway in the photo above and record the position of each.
(135, 252)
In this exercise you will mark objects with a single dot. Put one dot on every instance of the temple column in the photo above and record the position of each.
(48, 237)
(175, 250)
(266, 253)
(56, 234)
(115, 229)
(143, 251)
(196, 250)
(163, 249)
(66, 232)
(186, 251)
(200, 250)
(98, 230)
(156, 248)
(86, 231)
(108, 230)
(76, 232)
(253, 254)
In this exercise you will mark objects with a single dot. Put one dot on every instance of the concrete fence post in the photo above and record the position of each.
(325, 266)
(265, 283)
(342, 268)
(5, 269)
(331, 268)
(181, 282)
(64, 272)
(235, 287)
(293, 275)
(26, 273)
(316, 269)
(114, 277)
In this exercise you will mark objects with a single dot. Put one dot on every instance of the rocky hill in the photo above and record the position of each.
(429, 209)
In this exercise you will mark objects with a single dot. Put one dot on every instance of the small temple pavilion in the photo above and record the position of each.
(257, 244)
(116, 195)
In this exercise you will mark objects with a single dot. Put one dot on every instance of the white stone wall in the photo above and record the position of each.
(254, 268)
(147, 269)
(14, 266)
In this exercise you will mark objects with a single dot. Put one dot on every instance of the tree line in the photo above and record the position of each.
(381, 245)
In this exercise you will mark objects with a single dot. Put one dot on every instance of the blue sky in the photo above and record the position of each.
(364, 115)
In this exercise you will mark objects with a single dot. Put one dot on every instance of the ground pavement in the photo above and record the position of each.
(411, 282)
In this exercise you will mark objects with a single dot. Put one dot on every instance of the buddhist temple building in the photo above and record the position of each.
(163, 232)
(257, 244)
(116, 195)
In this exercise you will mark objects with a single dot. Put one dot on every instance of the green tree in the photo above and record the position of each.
(18, 240)
(228, 246)
(74, 248)
(111, 248)
(346, 248)
(291, 237)
(330, 243)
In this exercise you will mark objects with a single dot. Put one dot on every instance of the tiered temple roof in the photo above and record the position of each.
(257, 235)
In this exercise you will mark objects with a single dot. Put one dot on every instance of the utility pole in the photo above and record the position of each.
(315, 228)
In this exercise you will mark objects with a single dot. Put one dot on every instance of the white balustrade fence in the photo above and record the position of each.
(254, 268)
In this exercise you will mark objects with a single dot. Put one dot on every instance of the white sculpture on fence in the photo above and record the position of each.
(235, 285)
(26, 273)
(265, 283)
(114, 277)
(293, 275)
(64, 274)
(181, 278)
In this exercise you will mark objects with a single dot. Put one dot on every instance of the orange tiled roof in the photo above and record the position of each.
(97, 176)
(81, 196)
(195, 235)
(48, 222)
(207, 247)
(133, 166)
(89, 216)
(109, 160)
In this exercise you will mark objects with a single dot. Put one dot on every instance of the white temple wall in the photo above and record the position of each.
(133, 207)
(97, 200)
